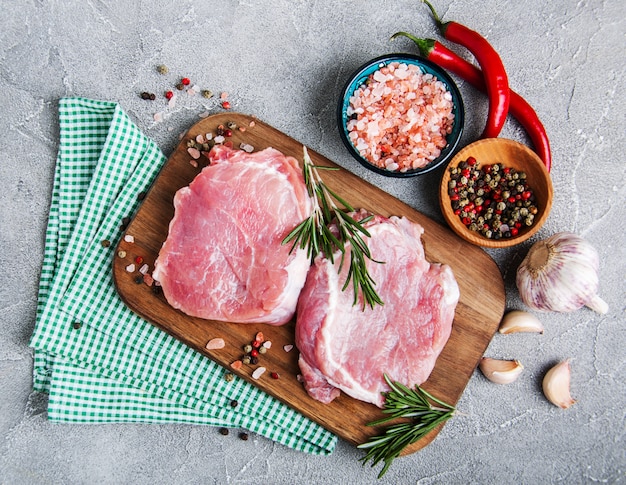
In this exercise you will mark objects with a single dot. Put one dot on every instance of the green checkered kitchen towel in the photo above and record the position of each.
(99, 362)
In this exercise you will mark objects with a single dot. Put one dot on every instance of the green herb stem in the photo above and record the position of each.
(412, 404)
(315, 235)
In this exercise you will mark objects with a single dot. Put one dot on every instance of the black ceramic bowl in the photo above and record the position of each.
(427, 67)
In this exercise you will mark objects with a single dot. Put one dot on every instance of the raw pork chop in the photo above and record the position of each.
(345, 348)
(223, 258)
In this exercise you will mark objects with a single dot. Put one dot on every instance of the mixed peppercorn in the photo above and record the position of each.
(254, 349)
(182, 84)
(493, 200)
(242, 434)
(201, 144)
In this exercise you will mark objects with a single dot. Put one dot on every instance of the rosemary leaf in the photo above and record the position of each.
(420, 418)
(296, 233)
(332, 240)
(315, 235)
(356, 225)
(338, 198)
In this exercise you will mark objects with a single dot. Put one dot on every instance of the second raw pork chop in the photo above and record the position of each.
(344, 347)
(223, 258)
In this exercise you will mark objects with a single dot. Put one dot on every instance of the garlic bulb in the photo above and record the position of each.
(556, 384)
(520, 321)
(500, 371)
(560, 274)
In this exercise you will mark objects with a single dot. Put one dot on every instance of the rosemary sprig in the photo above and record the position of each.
(402, 402)
(314, 233)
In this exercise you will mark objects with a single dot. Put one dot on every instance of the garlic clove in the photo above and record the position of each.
(556, 385)
(520, 321)
(598, 305)
(500, 371)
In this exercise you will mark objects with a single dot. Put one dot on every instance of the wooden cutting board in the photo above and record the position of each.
(478, 313)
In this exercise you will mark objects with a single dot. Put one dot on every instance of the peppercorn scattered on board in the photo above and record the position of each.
(478, 314)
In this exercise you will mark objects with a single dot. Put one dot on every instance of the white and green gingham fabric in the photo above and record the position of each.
(99, 362)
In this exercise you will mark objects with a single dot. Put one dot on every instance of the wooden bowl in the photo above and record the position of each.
(511, 154)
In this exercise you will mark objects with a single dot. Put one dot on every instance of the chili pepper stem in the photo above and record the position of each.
(433, 12)
(441, 25)
(425, 46)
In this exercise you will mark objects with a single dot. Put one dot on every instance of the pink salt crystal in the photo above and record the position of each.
(267, 344)
(200, 139)
(216, 343)
(172, 101)
(236, 365)
(144, 269)
(158, 117)
(223, 96)
(130, 268)
(193, 163)
(251, 124)
(204, 114)
(258, 372)
(148, 279)
(288, 348)
(194, 152)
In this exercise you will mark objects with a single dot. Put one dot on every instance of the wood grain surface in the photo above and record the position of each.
(477, 317)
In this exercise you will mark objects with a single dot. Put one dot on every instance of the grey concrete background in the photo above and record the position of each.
(285, 62)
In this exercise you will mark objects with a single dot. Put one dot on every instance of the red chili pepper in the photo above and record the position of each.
(519, 107)
(496, 80)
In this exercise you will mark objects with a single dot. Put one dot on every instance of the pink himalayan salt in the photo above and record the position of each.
(400, 117)
(216, 343)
